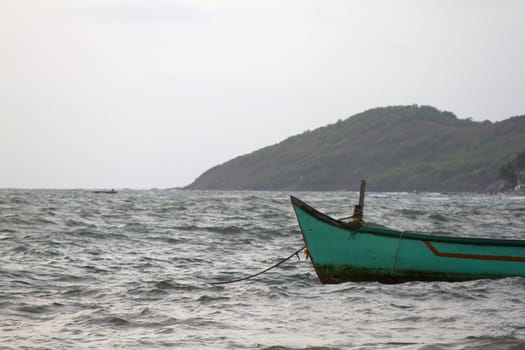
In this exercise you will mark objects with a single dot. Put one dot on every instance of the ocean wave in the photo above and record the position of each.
(136, 271)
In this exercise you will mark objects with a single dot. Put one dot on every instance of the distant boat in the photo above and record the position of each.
(353, 251)
(105, 192)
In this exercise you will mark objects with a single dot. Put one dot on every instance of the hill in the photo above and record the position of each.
(399, 148)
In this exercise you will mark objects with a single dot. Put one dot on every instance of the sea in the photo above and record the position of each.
(138, 270)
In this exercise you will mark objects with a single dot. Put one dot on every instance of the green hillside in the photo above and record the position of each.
(401, 148)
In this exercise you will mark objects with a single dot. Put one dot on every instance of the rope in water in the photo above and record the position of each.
(263, 271)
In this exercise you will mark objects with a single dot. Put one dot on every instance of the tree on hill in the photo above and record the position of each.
(509, 171)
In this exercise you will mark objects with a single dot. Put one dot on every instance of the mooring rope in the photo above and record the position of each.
(263, 271)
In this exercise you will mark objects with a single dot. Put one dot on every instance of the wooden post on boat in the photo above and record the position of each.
(362, 195)
(358, 209)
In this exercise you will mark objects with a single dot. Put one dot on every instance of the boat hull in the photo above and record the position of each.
(342, 252)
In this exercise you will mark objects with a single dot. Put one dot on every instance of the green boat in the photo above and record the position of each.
(342, 251)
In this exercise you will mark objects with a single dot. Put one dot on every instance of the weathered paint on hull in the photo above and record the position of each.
(343, 252)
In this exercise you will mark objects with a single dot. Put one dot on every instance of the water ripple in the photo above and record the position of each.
(133, 270)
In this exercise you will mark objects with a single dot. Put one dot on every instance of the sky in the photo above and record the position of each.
(152, 93)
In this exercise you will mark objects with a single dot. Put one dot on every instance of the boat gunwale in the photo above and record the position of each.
(358, 228)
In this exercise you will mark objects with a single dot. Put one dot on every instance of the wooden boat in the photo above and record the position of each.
(343, 251)
(105, 192)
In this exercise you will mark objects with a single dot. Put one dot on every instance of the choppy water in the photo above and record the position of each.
(133, 271)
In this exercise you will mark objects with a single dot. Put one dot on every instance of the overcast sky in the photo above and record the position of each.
(151, 93)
